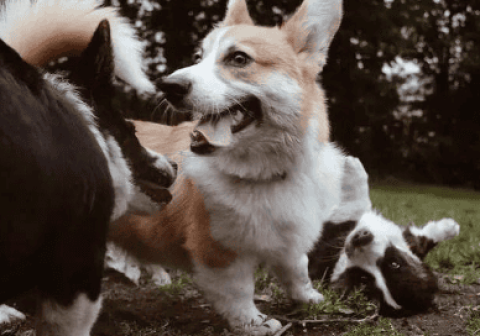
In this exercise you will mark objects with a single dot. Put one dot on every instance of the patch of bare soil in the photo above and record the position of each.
(130, 310)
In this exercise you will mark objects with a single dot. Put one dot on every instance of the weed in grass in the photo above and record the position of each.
(354, 304)
(265, 284)
(473, 324)
(382, 327)
(177, 286)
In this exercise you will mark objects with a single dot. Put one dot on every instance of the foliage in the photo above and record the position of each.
(473, 325)
(430, 135)
(382, 328)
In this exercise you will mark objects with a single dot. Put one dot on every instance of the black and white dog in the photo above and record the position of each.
(69, 164)
(359, 247)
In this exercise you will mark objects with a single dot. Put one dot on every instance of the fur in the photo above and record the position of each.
(70, 164)
(48, 29)
(388, 265)
(264, 192)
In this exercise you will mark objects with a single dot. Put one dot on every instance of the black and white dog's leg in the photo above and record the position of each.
(355, 193)
(76, 319)
(9, 314)
(422, 239)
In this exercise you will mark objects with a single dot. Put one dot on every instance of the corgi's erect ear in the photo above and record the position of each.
(311, 29)
(237, 14)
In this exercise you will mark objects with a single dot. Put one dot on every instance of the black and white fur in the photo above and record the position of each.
(359, 247)
(67, 170)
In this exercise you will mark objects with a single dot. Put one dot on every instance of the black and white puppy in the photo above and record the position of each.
(67, 170)
(359, 247)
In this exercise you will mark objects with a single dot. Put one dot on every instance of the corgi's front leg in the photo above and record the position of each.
(292, 271)
(231, 290)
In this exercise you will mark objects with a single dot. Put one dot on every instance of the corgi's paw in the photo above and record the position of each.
(446, 229)
(258, 326)
(9, 315)
(310, 296)
(159, 276)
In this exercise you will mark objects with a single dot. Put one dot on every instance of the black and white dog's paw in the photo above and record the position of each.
(168, 166)
(154, 178)
(438, 231)
(354, 172)
(355, 192)
(9, 315)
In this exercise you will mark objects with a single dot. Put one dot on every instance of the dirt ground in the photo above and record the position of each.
(130, 310)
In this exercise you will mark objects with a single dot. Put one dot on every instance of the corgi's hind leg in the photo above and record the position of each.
(76, 319)
(231, 291)
(292, 271)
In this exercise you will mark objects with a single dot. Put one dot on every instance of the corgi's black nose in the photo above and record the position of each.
(175, 89)
(362, 238)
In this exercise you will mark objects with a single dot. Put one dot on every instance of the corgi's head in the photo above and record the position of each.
(254, 89)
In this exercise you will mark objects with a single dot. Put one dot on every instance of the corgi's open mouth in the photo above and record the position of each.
(217, 129)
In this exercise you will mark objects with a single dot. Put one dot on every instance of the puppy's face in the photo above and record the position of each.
(387, 260)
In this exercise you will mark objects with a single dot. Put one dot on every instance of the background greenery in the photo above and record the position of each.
(427, 132)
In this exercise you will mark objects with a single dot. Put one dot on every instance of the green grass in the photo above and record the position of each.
(177, 286)
(473, 323)
(383, 327)
(404, 203)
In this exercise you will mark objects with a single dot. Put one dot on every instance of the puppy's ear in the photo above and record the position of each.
(311, 29)
(419, 244)
(237, 14)
(422, 240)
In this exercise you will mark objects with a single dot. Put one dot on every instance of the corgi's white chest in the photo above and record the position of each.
(271, 215)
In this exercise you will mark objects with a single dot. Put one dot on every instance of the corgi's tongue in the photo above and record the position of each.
(218, 133)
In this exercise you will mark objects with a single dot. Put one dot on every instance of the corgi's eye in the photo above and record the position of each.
(239, 59)
(197, 56)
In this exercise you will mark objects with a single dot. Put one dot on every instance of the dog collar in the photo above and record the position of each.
(273, 178)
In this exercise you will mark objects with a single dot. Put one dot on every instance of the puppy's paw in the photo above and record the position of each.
(9, 315)
(446, 228)
(355, 192)
(354, 172)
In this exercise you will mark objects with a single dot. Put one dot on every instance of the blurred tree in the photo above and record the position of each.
(446, 36)
(440, 144)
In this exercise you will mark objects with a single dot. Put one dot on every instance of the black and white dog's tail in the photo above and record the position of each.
(45, 30)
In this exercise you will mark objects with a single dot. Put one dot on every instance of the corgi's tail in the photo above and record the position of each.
(44, 30)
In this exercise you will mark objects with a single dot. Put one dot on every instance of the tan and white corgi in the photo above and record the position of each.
(261, 177)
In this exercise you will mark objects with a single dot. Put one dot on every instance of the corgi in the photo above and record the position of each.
(70, 163)
(358, 247)
(261, 176)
